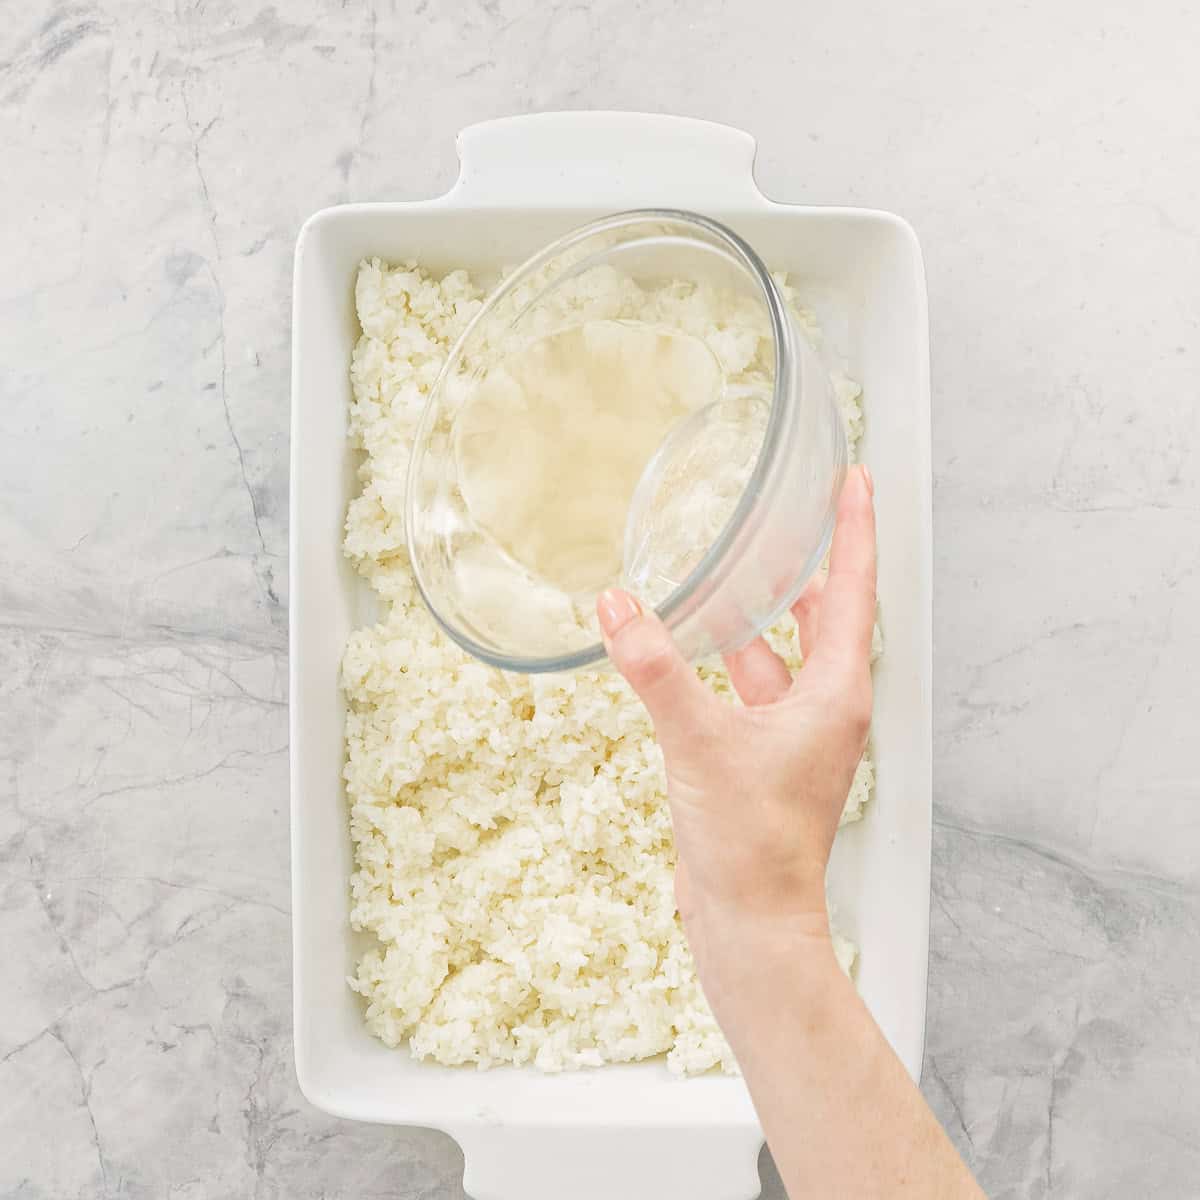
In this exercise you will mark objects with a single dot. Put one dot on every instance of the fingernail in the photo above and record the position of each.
(616, 609)
(866, 474)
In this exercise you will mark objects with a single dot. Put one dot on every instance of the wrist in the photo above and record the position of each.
(756, 921)
(748, 960)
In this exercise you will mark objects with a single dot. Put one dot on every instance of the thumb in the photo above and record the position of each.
(642, 649)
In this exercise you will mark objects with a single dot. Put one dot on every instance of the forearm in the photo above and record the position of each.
(841, 1115)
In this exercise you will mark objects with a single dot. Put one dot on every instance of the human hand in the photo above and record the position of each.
(756, 792)
(756, 795)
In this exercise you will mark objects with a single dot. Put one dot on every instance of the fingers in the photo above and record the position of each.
(641, 648)
(758, 674)
(843, 643)
(807, 611)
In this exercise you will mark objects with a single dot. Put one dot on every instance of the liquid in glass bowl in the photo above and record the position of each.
(633, 407)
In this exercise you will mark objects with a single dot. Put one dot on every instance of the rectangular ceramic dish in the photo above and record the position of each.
(633, 1131)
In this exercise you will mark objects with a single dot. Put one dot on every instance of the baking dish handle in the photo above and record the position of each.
(605, 160)
(611, 1164)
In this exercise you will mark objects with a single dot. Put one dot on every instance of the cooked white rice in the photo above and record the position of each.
(512, 839)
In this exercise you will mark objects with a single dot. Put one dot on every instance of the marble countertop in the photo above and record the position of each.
(159, 162)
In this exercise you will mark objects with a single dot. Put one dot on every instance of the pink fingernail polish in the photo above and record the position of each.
(616, 609)
(867, 479)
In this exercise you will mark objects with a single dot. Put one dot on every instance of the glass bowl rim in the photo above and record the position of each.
(714, 556)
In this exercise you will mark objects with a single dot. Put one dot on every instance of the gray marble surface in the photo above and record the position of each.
(159, 161)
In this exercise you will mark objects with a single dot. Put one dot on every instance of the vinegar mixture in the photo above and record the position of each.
(513, 853)
(552, 443)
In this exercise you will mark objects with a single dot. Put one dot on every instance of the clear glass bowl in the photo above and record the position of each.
(634, 406)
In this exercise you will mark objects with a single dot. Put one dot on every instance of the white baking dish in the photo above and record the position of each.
(633, 1132)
